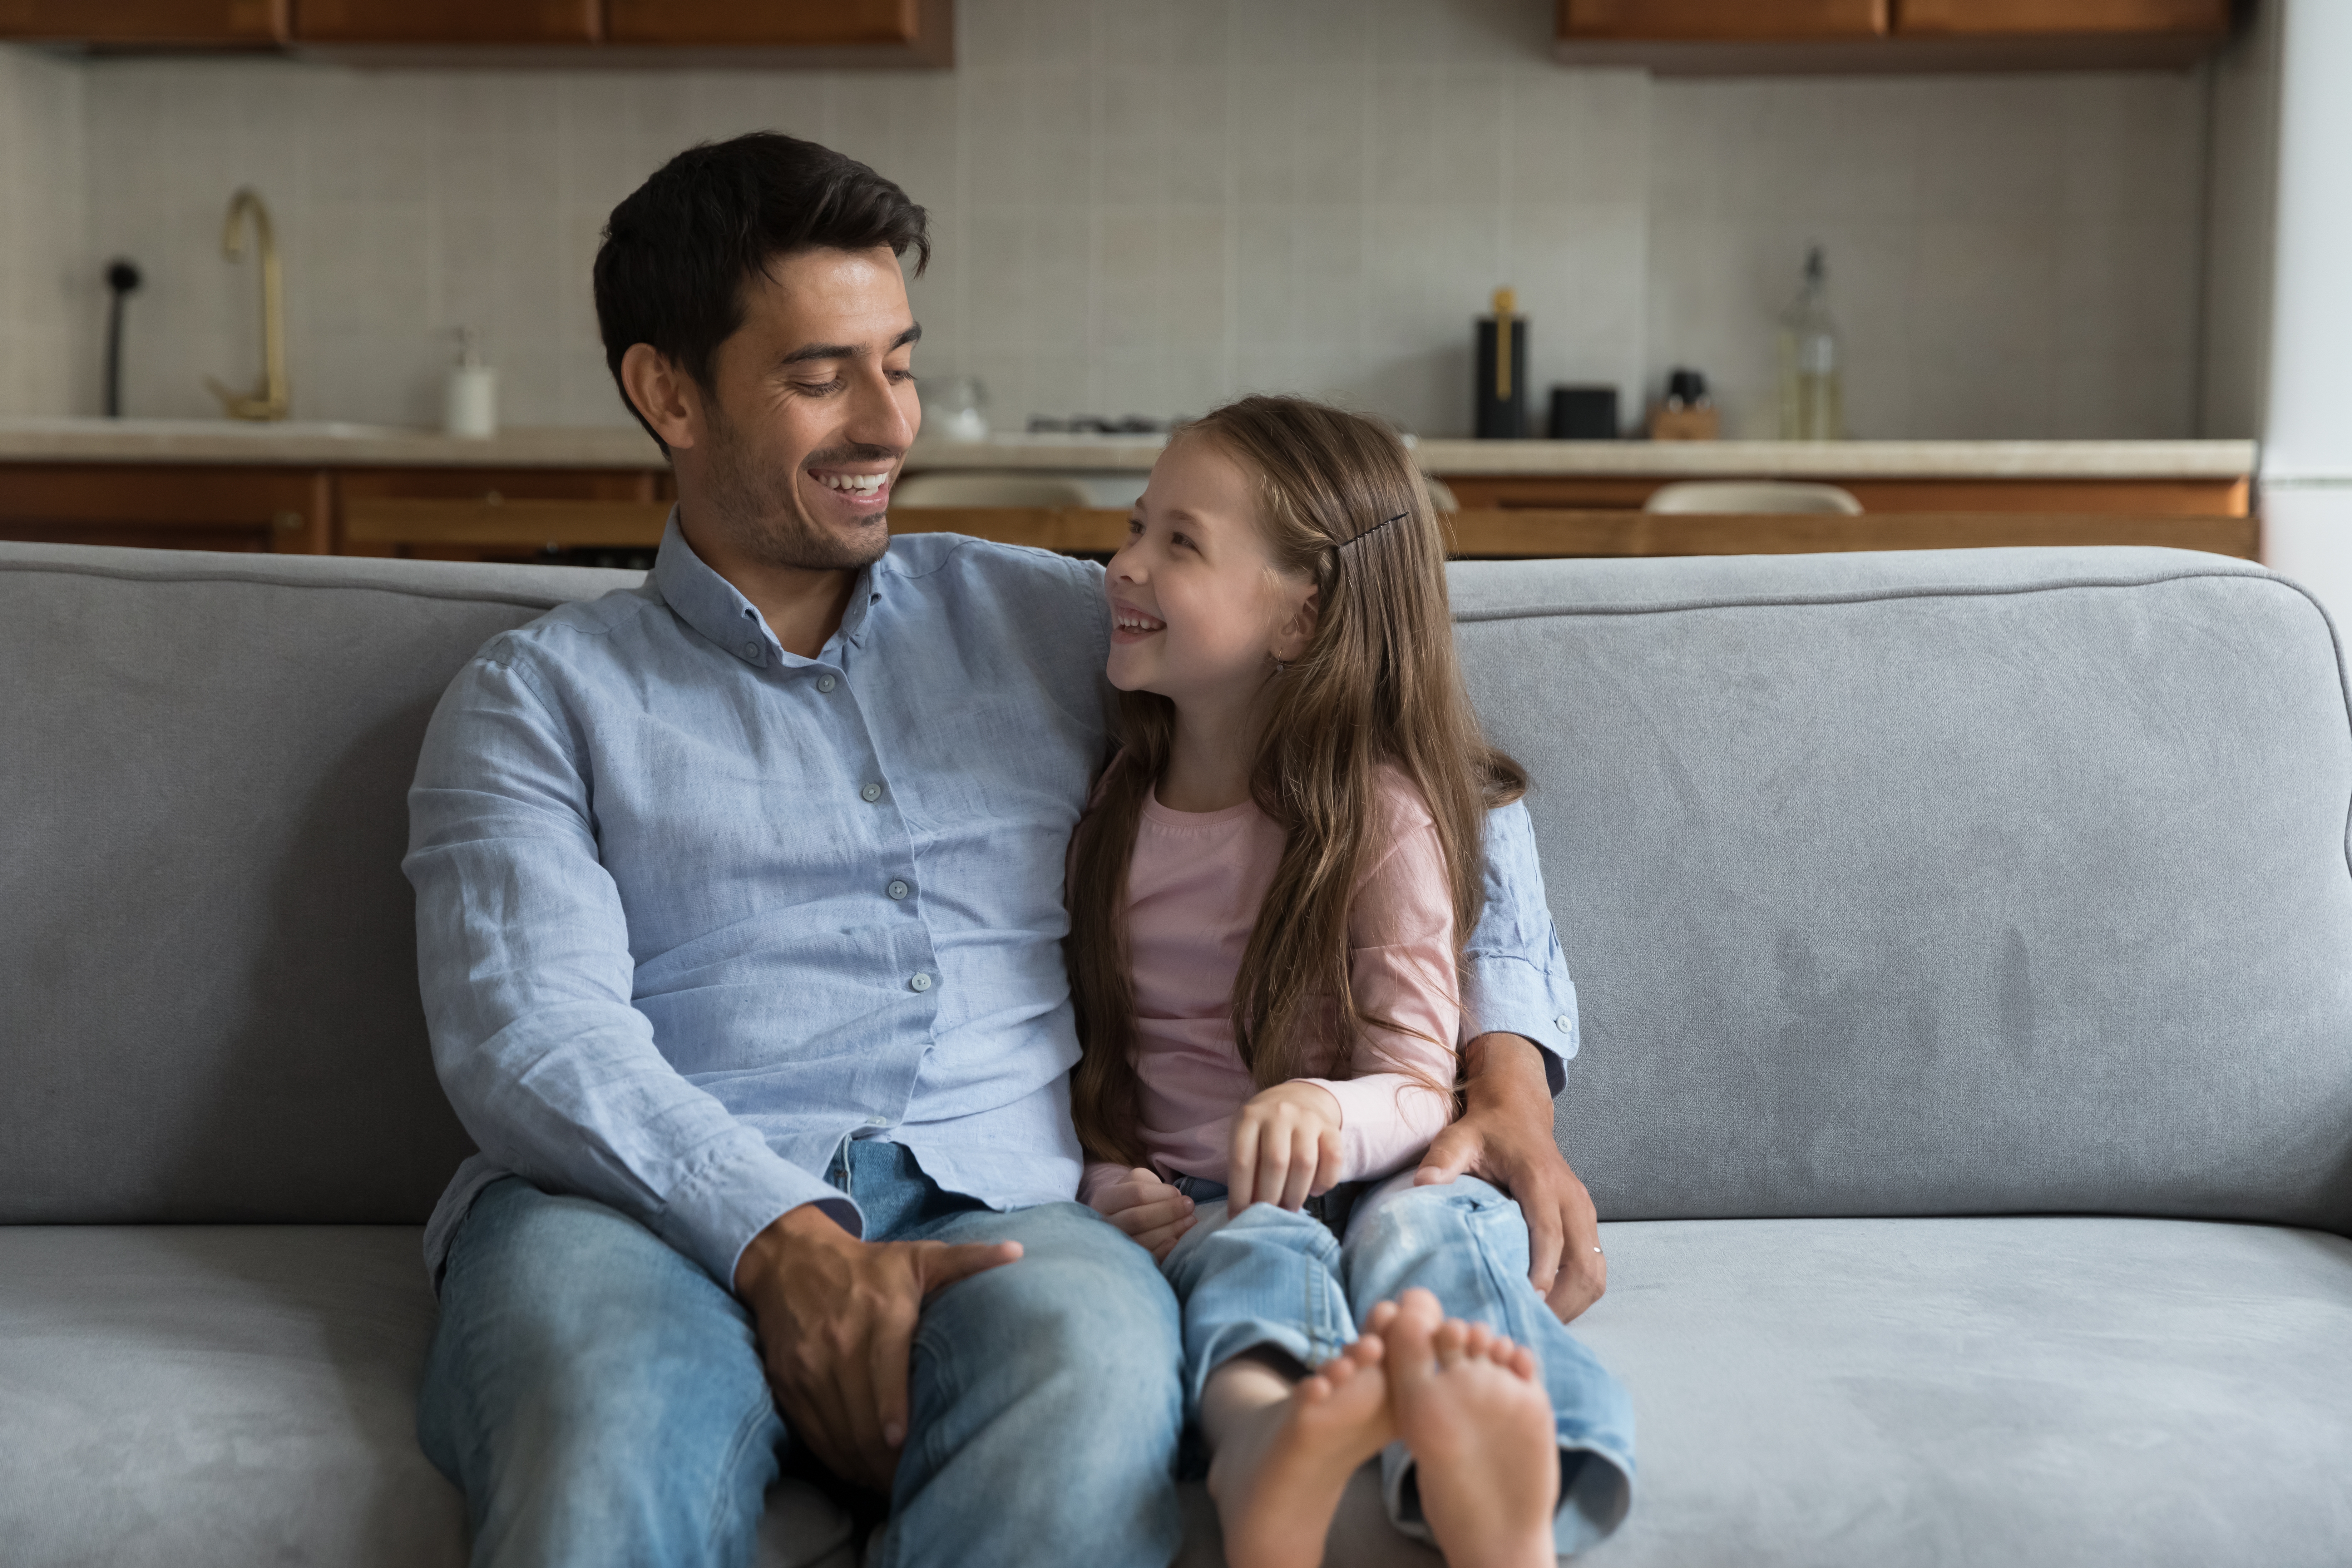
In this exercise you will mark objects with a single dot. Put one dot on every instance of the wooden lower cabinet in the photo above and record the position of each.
(1530, 534)
(170, 506)
(2139, 498)
(615, 517)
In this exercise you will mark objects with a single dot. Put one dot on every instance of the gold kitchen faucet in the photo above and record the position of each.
(273, 397)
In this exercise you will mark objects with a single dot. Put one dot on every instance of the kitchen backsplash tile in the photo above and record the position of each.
(1145, 205)
(46, 285)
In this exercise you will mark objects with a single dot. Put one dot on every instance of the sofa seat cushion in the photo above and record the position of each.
(195, 1395)
(2017, 1391)
(1810, 1391)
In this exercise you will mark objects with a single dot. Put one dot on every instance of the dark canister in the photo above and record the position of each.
(1583, 413)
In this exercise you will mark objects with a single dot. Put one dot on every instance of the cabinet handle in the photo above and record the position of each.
(492, 498)
(288, 522)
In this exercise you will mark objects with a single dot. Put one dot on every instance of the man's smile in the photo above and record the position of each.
(863, 491)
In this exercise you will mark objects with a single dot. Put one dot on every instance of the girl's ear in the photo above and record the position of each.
(1290, 638)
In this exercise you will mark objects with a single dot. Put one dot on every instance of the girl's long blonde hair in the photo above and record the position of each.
(1342, 504)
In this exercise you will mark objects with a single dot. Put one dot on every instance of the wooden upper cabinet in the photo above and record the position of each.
(2023, 18)
(447, 21)
(158, 23)
(1722, 20)
(1765, 38)
(771, 24)
(801, 34)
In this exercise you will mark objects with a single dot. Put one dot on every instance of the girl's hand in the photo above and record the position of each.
(1148, 1209)
(1285, 1147)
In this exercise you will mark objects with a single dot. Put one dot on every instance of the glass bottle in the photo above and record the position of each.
(1811, 402)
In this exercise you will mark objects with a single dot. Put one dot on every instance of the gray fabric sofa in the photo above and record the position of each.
(1967, 1082)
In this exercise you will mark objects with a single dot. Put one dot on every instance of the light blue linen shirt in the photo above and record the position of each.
(691, 909)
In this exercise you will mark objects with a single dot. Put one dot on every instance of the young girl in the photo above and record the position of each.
(1268, 898)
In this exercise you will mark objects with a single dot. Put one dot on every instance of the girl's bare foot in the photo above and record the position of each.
(1480, 1428)
(1282, 1462)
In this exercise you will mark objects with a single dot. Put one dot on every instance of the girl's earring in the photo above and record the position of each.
(1279, 666)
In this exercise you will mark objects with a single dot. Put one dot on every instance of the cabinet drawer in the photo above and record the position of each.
(497, 514)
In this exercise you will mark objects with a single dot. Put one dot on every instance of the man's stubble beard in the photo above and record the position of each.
(761, 509)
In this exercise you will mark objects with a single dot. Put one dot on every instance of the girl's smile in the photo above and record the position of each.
(1129, 625)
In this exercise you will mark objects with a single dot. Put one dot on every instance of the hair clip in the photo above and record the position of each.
(1371, 531)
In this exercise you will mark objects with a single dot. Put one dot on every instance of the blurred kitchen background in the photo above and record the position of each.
(1142, 207)
(2081, 261)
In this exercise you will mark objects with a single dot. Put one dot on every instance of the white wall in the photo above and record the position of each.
(2008, 256)
(2306, 466)
(2307, 426)
(48, 285)
(1144, 206)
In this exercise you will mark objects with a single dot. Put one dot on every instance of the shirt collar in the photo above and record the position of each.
(718, 609)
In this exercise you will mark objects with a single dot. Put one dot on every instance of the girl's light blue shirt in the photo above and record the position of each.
(691, 909)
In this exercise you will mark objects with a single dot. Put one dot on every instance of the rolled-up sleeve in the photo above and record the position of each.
(1517, 980)
(524, 962)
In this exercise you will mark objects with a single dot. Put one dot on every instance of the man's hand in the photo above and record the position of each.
(835, 1318)
(1154, 1213)
(1285, 1147)
(1505, 1137)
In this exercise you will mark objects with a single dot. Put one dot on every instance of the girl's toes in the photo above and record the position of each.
(1419, 1304)
(1384, 1313)
(1449, 1342)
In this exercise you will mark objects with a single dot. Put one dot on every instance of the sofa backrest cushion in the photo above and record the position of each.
(1943, 882)
(208, 1005)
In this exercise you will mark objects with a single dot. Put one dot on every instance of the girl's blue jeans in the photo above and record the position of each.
(1274, 1279)
(600, 1398)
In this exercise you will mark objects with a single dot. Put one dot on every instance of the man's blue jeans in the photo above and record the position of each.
(600, 1398)
(1274, 1279)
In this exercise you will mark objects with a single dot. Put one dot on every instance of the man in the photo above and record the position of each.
(739, 923)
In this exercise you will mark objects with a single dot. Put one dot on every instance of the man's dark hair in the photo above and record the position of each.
(679, 252)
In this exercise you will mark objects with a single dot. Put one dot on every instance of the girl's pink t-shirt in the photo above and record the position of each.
(1193, 890)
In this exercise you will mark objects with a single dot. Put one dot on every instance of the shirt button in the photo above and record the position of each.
(826, 683)
(878, 1121)
(870, 792)
(897, 890)
(1564, 1024)
(751, 647)
(920, 983)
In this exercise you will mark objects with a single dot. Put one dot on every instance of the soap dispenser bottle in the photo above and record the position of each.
(1502, 390)
(1813, 402)
(471, 409)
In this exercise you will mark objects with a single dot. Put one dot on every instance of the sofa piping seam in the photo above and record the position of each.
(172, 578)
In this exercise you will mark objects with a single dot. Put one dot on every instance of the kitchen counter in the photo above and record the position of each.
(1695, 460)
(305, 444)
(330, 445)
